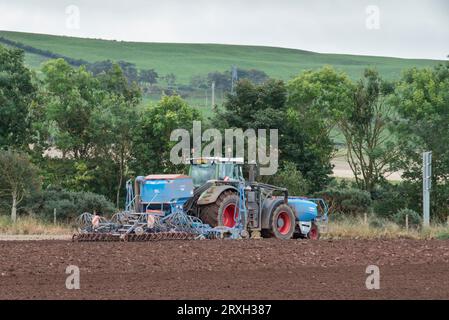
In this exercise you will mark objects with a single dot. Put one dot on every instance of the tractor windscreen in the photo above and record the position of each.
(201, 173)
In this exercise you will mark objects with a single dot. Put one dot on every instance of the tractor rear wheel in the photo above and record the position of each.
(221, 213)
(282, 222)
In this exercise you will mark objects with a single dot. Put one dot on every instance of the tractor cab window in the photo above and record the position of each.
(201, 173)
(226, 170)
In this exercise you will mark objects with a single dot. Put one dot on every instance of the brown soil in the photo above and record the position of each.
(252, 269)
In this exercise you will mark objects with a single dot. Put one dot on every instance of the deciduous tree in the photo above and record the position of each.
(365, 122)
(422, 101)
(16, 93)
(18, 178)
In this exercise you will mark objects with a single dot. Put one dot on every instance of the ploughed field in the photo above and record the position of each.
(227, 269)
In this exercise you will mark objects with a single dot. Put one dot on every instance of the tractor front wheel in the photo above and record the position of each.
(282, 223)
(314, 233)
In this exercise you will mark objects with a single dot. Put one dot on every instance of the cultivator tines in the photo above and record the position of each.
(132, 237)
(157, 236)
(99, 237)
(138, 227)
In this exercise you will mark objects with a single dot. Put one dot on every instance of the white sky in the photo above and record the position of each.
(411, 29)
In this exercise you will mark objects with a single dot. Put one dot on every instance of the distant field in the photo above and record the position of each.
(186, 60)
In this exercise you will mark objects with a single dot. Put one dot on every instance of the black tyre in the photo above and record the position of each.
(282, 223)
(221, 213)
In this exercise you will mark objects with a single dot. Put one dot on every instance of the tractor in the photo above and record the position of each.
(271, 212)
(212, 201)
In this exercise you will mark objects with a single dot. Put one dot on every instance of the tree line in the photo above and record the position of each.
(75, 131)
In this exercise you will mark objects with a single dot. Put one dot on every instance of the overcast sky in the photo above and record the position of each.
(400, 28)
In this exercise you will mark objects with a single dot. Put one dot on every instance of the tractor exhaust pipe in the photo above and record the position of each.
(252, 173)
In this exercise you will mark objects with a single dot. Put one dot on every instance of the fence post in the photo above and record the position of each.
(427, 186)
(406, 222)
(365, 218)
(54, 216)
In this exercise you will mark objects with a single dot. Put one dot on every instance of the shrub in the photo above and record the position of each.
(389, 199)
(349, 201)
(68, 204)
(291, 178)
(414, 219)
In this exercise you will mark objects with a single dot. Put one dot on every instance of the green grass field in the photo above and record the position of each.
(186, 60)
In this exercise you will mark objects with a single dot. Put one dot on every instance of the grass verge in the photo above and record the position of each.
(347, 228)
(31, 226)
(357, 228)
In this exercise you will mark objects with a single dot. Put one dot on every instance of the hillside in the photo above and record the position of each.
(186, 60)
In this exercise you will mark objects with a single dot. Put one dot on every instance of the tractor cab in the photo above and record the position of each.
(203, 170)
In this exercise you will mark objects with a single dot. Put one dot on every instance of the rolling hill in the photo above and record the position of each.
(186, 60)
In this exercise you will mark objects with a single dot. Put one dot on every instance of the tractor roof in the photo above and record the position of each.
(165, 176)
(215, 159)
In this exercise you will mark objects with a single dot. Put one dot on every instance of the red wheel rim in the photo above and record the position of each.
(313, 233)
(283, 223)
(228, 215)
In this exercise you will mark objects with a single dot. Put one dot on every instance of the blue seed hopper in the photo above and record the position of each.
(164, 190)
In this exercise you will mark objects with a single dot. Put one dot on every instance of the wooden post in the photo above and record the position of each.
(448, 221)
(54, 216)
(365, 218)
(406, 222)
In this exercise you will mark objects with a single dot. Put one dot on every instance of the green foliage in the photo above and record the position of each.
(364, 122)
(291, 178)
(323, 92)
(254, 106)
(100, 67)
(390, 198)
(185, 60)
(42, 53)
(443, 235)
(151, 137)
(100, 138)
(114, 131)
(70, 97)
(16, 94)
(422, 102)
(414, 219)
(346, 201)
(18, 179)
(223, 80)
(199, 82)
(115, 82)
(68, 204)
(253, 75)
(149, 76)
(91, 121)
(129, 70)
(301, 140)
(311, 97)
(81, 178)
(170, 79)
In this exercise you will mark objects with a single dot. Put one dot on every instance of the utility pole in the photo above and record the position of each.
(213, 94)
(427, 185)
